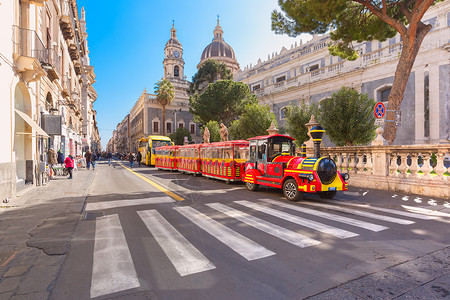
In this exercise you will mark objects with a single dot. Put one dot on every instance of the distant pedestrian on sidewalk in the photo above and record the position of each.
(88, 156)
(109, 156)
(131, 159)
(138, 158)
(69, 165)
(52, 159)
(60, 157)
(94, 158)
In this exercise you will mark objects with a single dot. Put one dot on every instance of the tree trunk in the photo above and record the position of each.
(411, 46)
(164, 120)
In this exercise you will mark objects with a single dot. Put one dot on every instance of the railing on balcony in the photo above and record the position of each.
(27, 43)
(419, 169)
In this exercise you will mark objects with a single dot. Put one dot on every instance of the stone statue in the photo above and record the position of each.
(206, 136)
(223, 133)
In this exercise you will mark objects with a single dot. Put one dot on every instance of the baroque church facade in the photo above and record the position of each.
(145, 117)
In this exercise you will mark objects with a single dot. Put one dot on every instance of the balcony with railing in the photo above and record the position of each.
(29, 53)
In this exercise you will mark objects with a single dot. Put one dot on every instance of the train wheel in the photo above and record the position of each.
(290, 190)
(327, 195)
(252, 186)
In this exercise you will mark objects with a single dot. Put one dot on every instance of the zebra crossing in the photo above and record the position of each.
(111, 245)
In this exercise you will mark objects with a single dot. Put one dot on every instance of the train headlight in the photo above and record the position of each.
(311, 177)
(345, 176)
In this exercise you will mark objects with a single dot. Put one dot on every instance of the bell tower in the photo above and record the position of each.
(173, 60)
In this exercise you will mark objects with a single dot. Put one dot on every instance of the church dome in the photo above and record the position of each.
(219, 50)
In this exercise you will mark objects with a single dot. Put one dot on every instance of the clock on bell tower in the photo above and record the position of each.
(173, 60)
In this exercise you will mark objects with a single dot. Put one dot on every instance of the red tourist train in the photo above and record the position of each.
(221, 160)
(264, 160)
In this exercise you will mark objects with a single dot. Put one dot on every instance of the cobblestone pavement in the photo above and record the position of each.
(35, 231)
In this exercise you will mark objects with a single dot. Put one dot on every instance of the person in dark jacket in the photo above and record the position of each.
(94, 158)
(60, 157)
(138, 158)
(109, 156)
(87, 156)
(131, 159)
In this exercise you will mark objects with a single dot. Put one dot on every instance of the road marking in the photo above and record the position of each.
(237, 242)
(183, 255)
(337, 218)
(361, 213)
(392, 211)
(427, 211)
(113, 269)
(289, 236)
(129, 202)
(340, 233)
(159, 187)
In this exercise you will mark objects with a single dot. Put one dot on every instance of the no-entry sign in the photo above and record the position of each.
(379, 110)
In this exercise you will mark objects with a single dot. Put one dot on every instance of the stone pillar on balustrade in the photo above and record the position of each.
(380, 160)
(310, 143)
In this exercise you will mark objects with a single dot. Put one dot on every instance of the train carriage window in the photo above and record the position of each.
(220, 153)
(262, 149)
(253, 152)
(215, 153)
(228, 153)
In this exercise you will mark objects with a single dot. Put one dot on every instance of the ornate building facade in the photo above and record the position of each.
(308, 72)
(46, 84)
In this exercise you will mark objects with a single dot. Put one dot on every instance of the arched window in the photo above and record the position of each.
(283, 113)
(176, 71)
(382, 93)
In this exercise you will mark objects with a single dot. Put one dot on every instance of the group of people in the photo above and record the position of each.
(58, 158)
(132, 158)
(90, 157)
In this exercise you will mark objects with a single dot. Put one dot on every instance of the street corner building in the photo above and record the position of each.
(46, 89)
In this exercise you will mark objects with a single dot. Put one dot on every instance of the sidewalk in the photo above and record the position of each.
(35, 231)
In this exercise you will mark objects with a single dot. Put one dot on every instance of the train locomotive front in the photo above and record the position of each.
(273, 163)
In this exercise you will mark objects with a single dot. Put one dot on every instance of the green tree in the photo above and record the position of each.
(296, 118)
(164, 95)
(178, 136)
(254, 121)
(222, 101)
(210, 71)
(361, 20)
(214, 128)
(347, 117)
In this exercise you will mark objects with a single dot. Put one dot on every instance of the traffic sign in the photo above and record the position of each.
(379, 110)
(379, 122)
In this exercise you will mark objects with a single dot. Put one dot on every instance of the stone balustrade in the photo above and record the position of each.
(417, 169)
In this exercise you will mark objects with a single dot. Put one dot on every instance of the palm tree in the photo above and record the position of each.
(164, 95)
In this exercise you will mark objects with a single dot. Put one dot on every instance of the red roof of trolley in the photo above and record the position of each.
(264, 137)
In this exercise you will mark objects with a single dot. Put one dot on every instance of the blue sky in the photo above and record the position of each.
(126, 41)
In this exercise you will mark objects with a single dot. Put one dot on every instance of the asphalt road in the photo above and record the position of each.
(151, 234)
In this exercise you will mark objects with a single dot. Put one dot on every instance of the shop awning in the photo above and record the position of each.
(32, 123)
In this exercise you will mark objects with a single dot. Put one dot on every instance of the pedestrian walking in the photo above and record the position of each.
(109, 156)
(69, 165)
(52, 159)
(60, 158)
(131, 159)
(88, 156)
(138, 158)
(94, 158)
